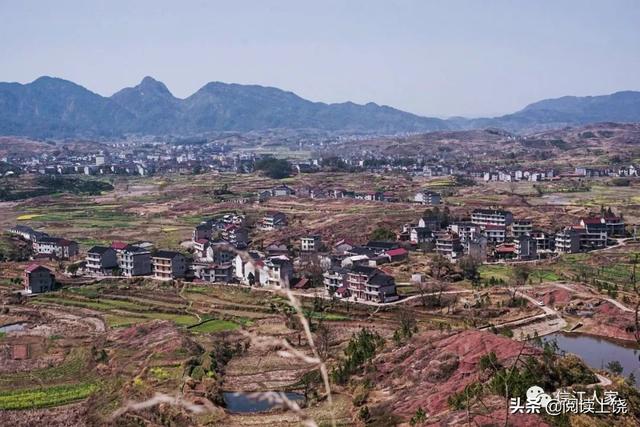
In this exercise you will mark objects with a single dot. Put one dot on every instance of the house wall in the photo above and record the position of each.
(40, 281)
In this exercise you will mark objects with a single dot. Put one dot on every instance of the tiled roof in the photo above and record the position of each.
(33, 267)
(98, 250)
(397, 252)
(119, 245)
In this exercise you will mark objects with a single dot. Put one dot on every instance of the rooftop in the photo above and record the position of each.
(166, 254)
(98, 250)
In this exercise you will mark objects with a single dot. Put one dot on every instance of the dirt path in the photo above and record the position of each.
(582, 294)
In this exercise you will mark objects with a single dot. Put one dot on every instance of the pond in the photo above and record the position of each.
(12, 327)
(255, 402)
(598, 352)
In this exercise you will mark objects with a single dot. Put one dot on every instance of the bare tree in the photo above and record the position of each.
(519, 277)
(324, 335)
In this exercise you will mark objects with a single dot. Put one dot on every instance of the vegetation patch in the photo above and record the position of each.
(214, 325)
(46, 396)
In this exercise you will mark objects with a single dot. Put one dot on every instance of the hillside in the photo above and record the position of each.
(52, 107)
(622, 107)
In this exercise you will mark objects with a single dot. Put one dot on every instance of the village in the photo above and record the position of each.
(139, 277)
(220, 249)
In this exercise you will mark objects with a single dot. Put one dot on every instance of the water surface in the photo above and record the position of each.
(598, 352)
(254, 402)
(13, 327)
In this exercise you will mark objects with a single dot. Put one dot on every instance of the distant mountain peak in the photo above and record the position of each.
(51, 106)
(151, 86)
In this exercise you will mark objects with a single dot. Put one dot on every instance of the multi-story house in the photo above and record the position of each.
(613, 225)
(595, 231)
(310, 243)
(219, 252)
(211, 272)
(371, 284)
(476, 247)
(56, 246)
(430, 222)
(273, 221)
(135, 261)
(520, 227)
(448, 245)
(202, 231)
(101, 260)
(491, 217)
(334, 279)
(495, 233)
(235, 234)
(465, 230)
(419, 235)
(119, 247)
(567, 241)
(27, 233)
(429, 198)
(526, 247)
(279, 271)
(38, 279)
(545, 242)
(249, 268)
(282, 191)
(168, 265)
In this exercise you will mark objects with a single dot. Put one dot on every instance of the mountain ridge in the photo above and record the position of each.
(54, 107)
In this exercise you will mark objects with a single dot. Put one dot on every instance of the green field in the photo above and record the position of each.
(73, 367)
(45, 396)
(499, 271)
(119, 312)
(214, 325)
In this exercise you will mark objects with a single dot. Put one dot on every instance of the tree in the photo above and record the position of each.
(490, 361)
(519, 277)
(470, 269)
(419, 417)
(274, 168)
(615, 367)
(440, 265)
(364, 414)
(323, 340)
(382, 233)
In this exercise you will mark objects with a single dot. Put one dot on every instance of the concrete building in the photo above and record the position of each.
(495, 233)
(567, 241)
(135, 261)
(545, 242)
(526, 247)
(279, 271)
(56, 247)
(476, 247)
(215, 273)
(448, 245)
(334, 279)
(310, 243)
(491, 217)
(38, 279)
(27, 233)
(168, 265)
(521, 227)
(273, 221)
(371, 284)
(429, 198)
(101, 260)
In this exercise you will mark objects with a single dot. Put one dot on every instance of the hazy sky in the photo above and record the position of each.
(438, 58)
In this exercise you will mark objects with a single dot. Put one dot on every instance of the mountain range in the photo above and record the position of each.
(53, 107)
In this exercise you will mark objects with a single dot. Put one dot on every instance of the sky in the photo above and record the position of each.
(433, 58)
